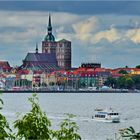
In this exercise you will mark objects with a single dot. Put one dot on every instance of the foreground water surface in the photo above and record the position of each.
(82, 105)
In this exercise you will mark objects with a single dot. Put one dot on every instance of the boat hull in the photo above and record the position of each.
(113, 120)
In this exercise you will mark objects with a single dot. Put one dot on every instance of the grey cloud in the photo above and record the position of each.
(12, 29)
(79, 7)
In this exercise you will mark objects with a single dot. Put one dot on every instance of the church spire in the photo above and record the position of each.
(49, 37)
(36, 48)
(49, 20)
(49, 25)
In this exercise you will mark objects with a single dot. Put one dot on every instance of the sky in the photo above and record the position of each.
(106, 32)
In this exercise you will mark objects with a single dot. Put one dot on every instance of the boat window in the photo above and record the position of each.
(96, 115)
(100, 116)
(113, 114)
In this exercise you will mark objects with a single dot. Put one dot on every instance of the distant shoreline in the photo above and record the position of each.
(30, 91)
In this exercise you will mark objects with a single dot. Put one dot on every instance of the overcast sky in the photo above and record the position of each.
(105, 31)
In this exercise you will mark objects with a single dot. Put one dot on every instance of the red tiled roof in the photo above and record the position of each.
(115, 71)
(4, 64)
(38, 72)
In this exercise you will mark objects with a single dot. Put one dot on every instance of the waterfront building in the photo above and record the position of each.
(36, 82)
(9, 82)
(87, 79)
(91, 65)
(135, 71)
(102, 77)
(78, 78)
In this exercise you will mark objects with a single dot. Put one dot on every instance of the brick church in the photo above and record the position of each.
(55, 54)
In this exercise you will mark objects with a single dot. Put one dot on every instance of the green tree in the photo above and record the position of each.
(136, 80)
(82, 84)
(123, 72)
(129, 83)
(121, 82)
(34, 124)
(138, 66)
(44, 84)
(111, 82)
(125, 82)
(126, 66)
(130, 133)
(68, 129)
(5, 131)
(51, 83)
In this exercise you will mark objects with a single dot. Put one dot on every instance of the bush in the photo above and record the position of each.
(34, 124)
(68, 130)
(5, 131)
(130, 133)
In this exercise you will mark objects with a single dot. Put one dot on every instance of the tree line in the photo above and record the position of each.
(124, 82)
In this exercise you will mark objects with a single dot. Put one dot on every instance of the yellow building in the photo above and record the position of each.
(135, 72)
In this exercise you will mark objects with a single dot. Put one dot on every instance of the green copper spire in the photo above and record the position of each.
(49, 37)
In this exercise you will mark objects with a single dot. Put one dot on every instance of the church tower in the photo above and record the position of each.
(49, 44)
(63, 54)
(60, 49)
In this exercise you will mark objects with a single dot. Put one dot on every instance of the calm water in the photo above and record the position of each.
(82, 105)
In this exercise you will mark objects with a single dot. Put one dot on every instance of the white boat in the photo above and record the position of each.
(106, 115)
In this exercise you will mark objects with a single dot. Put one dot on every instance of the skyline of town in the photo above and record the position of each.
(100, 30)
